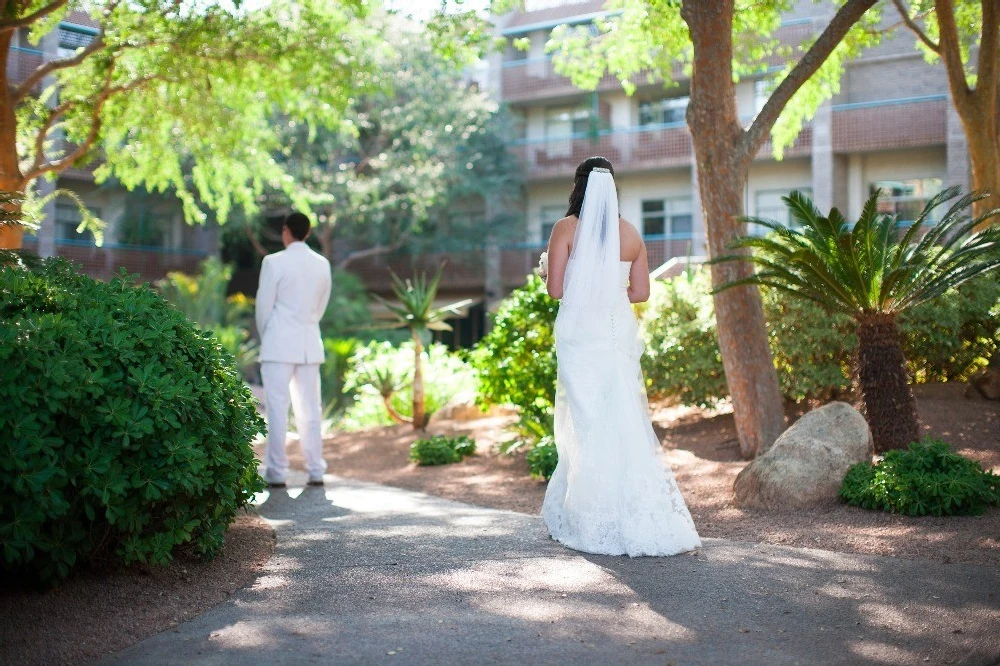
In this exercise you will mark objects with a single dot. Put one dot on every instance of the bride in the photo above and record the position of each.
(611, 493)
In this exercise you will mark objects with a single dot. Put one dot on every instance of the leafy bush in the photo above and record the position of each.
(336, 394)
(948, 338)
(542, 458)
(441, 450)
(516, 361)
(201, 297)
(347, 313)
(682, 356)
(926, 479)
(445, 375)
(127, 431)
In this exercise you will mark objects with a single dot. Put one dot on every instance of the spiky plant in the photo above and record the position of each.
(12, 215)
(873, 272)
(415, 311)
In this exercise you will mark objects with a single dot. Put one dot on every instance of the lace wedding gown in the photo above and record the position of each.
(612, 492)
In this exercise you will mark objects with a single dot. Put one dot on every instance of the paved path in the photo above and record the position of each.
(365, 574)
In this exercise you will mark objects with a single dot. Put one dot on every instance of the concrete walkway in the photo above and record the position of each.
(365, 574)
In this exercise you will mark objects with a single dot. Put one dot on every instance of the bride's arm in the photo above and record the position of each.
(559, 245)
(638, 278)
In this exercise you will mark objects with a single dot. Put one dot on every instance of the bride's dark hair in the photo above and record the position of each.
(580, 181)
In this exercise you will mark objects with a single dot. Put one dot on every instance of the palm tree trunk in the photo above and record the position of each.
(418, 384)
(885, 391)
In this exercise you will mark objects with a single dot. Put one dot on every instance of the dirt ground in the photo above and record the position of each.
(702, 449)
(97, 613)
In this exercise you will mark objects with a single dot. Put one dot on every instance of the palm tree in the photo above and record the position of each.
(417, 313)
(873, 272)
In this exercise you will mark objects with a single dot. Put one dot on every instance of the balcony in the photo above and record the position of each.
(465, 271)
(890, 124)
(634, 149)
(103, 263)
(21, 62)
(525, 80)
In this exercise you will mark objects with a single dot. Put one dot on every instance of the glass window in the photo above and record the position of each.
(770, 207)
(667, 217)
(549, 216)
(564, 122)
(663, 111)
(654, 220)
(906, 198)
(68, 218)
(71, 39)
(762, 89)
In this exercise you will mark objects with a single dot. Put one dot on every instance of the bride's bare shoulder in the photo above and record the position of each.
(565, 225)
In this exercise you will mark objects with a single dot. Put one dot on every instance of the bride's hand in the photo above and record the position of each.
(543, 266)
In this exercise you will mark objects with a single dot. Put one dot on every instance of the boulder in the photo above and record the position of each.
(463, 407)
(807, 464)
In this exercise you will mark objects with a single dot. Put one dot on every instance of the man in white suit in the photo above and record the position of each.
(291, 299)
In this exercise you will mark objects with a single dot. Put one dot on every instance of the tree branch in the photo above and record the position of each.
(847, 16)
(25, 21)
(40, 165)
(951, 53)
(52, 65)
(371, 252)
(987, 65)
(257, 245)
(904, 13)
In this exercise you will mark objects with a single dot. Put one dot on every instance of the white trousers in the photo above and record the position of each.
(303, 380)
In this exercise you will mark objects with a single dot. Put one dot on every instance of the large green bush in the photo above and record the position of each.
(126, 430)
(948, 338)
(516, 362)
(446, 374)
(926, 479)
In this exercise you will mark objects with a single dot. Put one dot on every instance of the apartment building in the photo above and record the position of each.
(145, 233)
(892, 126)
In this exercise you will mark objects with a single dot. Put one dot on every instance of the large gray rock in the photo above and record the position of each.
(806, 466)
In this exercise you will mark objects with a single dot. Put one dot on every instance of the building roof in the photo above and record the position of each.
(550, 17)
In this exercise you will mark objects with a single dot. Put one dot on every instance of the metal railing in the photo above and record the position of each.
(104, 262)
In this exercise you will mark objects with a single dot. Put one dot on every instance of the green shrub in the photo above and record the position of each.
(446, 374)
(126, 430)
(542, 458)
(948, 338)
(926, 479)
(516, 361)
(201, 297)
(337, 396)
(347, 313)
(441, 450)
(682, 356)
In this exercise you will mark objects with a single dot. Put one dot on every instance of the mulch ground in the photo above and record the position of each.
(96, 613)
(702, 448)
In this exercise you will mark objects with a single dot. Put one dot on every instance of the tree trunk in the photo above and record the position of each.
(325, 236)
(983, 140)
(723, 165)
(419, 420)
(11, 179)
(882, 376)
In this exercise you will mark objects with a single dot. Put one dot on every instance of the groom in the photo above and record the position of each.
(291, 299)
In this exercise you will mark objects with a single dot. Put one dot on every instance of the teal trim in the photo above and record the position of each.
(22, 49)
(636, 129)
(510, 64)
(889, 102)
(73, 242)
(82, 29)
(548, 25)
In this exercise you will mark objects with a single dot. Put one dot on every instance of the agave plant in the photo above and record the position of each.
(416, 312)
(874, 271)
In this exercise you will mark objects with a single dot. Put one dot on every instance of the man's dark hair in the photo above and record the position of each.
(298, 224)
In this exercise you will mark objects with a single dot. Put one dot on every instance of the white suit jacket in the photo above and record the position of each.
(291, 299)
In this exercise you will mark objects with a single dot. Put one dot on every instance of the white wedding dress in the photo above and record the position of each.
(612, 491)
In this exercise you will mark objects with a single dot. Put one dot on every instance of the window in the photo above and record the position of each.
(667, 217)
(768, 205)
(564, 122)
(549, 216)
(71, 39)
(68, 218)
(762, 89)
(663, 111)
(906, 198)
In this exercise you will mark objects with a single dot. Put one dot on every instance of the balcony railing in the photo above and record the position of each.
(21, 62)
(536, 78)
(890, 124)
(102, 263)
(652, 147)
(465, 271)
